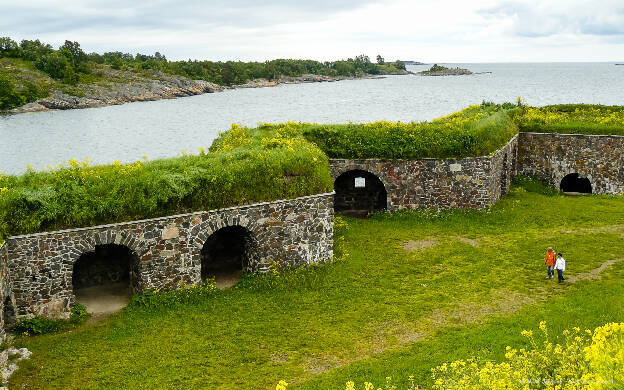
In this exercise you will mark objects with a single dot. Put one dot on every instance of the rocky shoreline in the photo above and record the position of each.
(127, 87)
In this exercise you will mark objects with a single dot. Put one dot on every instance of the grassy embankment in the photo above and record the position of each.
(466, 285)
(572, 119)
(241, 170)
(270, 162)
(475, 131)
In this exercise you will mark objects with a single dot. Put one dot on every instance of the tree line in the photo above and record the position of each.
(70, 65)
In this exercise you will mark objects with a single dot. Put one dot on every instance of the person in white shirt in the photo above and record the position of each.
(560, 267)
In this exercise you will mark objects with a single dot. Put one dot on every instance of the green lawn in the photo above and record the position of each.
(475, 283)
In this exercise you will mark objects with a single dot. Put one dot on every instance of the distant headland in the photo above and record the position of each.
(413, 63)
(36, 77)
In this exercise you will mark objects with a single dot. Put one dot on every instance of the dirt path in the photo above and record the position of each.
(227, 279)
(593, 274)
(597, 229)
(102, 301)
(415, 246)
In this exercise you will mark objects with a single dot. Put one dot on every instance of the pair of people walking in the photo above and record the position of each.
(554, 262)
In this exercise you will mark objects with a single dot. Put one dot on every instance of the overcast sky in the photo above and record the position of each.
(428, 31)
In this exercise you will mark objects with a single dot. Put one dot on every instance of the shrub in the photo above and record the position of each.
(584, 360)
(41, 325)
(9, 96)
(54, 64)
(79, 314)
(37, 325)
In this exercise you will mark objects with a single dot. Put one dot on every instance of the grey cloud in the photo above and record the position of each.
(215, 29)
(550, 18)
(35, 17)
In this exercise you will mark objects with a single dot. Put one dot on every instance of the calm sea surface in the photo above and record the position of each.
(164, 128)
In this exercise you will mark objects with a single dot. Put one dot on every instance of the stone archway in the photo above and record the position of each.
(359, 193)
(104, 279)
(573, 183)
(226, 254)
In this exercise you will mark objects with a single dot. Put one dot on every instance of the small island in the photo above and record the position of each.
(438, 70)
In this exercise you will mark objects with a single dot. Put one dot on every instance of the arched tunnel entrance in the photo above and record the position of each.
(225, 254)
(359, 193)
(575, 184)
(104, 280)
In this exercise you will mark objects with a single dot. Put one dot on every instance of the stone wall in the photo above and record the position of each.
(503, 168)
(291, 232)
(7, 303)
(551, 157)
(468, 183)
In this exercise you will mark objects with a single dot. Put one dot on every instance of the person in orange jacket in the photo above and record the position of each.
(550, 262)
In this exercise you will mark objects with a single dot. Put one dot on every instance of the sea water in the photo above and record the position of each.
(165, 128)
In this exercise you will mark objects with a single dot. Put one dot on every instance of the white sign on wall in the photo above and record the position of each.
(455, 167)
(360, 182)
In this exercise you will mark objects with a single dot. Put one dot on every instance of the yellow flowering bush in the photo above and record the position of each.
(236, 137)
(596, 114)
(585, 360)
(278, 141)
(572, 118)
(474, 131)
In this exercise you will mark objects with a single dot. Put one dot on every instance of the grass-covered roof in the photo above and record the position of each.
(572, 119)
(272, 161)
(242, 170)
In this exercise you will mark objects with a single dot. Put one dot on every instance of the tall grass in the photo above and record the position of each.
(572, 119)
(78, 194)
(475, 131)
